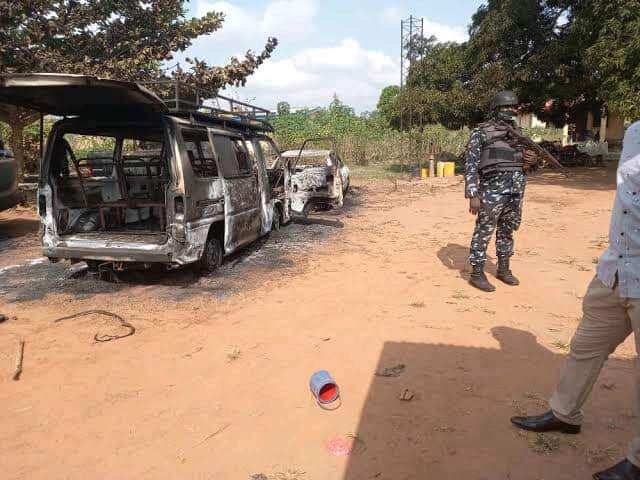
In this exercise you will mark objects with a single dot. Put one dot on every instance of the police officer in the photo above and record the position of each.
(495, 183)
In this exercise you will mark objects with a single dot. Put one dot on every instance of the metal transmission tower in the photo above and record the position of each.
(411, 37)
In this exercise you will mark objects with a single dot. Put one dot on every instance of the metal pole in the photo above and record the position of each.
(401, 54)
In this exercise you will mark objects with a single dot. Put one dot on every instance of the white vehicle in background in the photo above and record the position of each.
(319, 177)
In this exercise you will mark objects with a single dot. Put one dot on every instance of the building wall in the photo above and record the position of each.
(615, 130)
(530, 120)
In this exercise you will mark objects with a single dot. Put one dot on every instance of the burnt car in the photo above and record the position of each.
(9, 193)
(126, 180)
(319, 177)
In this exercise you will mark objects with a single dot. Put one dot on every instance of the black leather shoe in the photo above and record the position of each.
(547, 422)
(625, 470)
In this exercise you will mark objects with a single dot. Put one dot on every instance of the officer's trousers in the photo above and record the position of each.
(607, 321)
(501, 213)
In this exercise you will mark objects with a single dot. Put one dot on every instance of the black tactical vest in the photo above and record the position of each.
(498, 155)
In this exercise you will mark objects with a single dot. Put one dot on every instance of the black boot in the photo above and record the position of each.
(479, 279)
(625, 470)
(505, 274)
(547, 422)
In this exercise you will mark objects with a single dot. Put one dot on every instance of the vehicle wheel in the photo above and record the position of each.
(93, 265)
(212, 256)
(277, 220)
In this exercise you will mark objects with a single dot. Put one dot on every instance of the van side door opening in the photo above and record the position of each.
(243, 222)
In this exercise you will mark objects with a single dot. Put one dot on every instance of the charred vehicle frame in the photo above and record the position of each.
(319, 177)
(172, 182)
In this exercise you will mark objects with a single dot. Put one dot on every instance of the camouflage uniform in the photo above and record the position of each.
(501, 194)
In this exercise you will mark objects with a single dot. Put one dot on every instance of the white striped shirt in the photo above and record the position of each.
(623, 255)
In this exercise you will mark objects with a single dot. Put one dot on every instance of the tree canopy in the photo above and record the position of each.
(560, 56)
(127, 40)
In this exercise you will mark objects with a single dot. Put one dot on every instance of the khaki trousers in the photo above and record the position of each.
(607, 321)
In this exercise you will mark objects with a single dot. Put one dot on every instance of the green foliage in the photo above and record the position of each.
(615, 54)
(388, 105)
(366, 139)
(113, 39)
(126, 40)
(283, 108)
(581, 54)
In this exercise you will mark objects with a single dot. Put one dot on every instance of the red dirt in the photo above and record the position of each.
(217, 388)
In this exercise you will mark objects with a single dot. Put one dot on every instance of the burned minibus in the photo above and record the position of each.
(129, 179)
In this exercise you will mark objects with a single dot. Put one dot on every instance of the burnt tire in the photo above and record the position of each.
(211, 256)
(276, 223)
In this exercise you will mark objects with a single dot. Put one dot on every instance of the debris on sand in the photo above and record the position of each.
(389, 372)
(103, 338)
(19, 358)
(407, 395)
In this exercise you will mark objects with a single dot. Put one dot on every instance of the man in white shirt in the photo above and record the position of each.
(611, 313)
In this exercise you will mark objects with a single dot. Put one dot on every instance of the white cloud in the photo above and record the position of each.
(288, 20)
(311, 76)
(445, 33)
(391, 17)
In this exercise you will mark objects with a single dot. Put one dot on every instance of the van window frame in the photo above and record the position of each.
(232, 138)
(200, 130)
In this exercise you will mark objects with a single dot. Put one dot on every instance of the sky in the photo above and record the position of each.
(350, 48)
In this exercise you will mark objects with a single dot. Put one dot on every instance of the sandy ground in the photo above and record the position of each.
(214, 383)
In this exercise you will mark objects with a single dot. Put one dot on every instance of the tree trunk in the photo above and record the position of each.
(17, 145)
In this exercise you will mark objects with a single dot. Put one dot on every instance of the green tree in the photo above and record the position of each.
(526, 46)
(438, 87)
(283, 108)
(388, 105)
(121, 39)
(580, 54)
(614, 54)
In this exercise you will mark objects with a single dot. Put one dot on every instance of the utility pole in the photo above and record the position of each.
(411, 36)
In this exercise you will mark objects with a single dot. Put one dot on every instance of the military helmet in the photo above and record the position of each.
(506, 98)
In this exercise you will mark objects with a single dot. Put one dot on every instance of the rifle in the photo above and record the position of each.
(527, 142)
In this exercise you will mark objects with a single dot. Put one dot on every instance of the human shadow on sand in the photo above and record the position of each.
(457, 424)
(456, 257)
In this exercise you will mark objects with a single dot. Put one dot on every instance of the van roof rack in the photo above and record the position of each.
(187, 101)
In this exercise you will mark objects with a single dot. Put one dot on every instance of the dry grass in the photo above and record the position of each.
(417, 304)
(567, 261)
(234, 355)
(544, 444)
(460, 295)
(560, 345)
(289, 474)
(517, 406)
(597, 454)
(540, 401)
